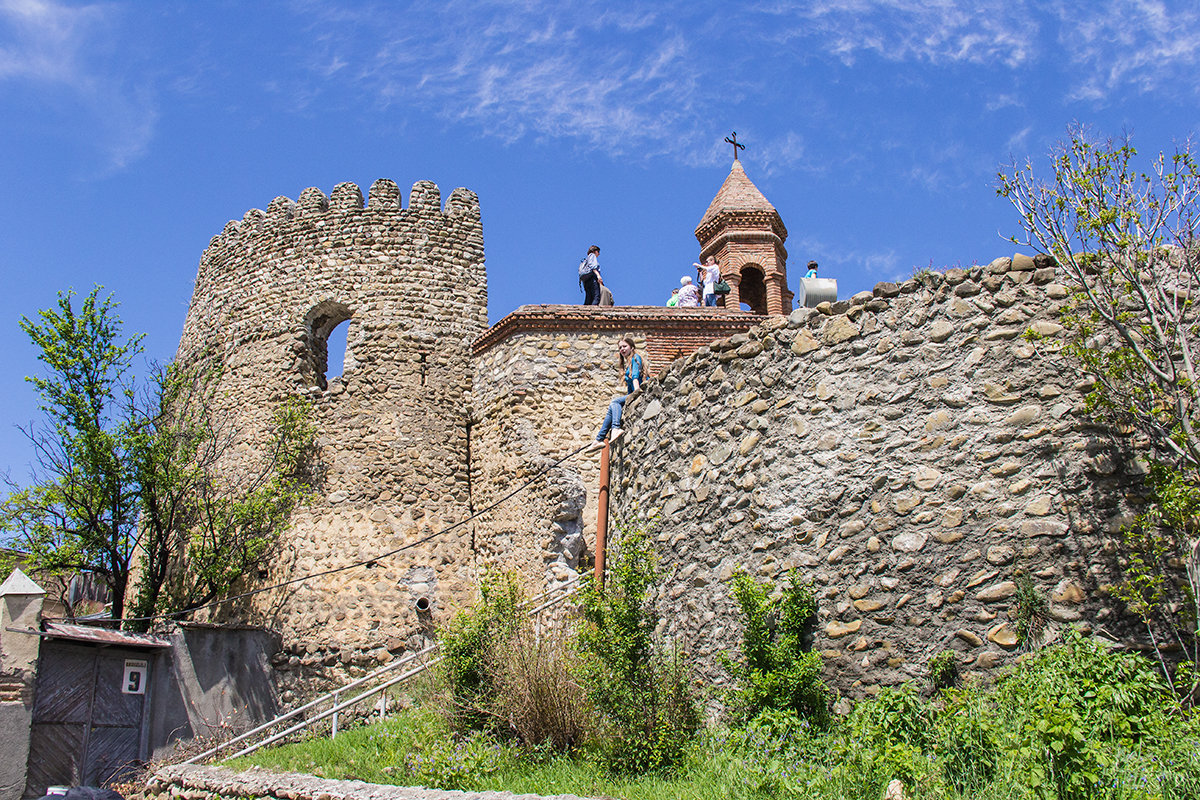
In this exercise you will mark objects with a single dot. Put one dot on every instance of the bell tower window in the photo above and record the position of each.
(752, 291)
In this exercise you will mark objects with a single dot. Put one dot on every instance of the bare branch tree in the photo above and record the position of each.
(1126, 241)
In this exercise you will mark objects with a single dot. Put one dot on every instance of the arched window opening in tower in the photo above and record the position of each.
(335, 347)
(752, 290)
(324, 346)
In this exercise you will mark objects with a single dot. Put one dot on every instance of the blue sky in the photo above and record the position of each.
(132, 131)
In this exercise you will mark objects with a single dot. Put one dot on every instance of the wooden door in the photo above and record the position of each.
(89, 711)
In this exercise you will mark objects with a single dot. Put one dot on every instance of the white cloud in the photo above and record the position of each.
(672, 82)
(55, 45)
(1150, 46)
(1002, 101)
(934, 31)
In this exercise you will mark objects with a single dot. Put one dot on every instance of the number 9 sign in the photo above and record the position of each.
(134, 679)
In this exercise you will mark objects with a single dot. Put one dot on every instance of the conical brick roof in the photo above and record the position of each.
(737, 193)
(739, 199)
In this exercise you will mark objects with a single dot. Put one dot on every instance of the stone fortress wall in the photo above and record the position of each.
(908, 451)
(544, 376)
(393, 430)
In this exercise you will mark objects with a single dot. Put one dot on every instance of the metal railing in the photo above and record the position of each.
(539, 603)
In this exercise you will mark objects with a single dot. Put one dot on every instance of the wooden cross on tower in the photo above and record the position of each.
(736, 145)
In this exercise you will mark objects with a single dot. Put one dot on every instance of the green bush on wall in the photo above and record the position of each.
(641, 692)
(777, 670)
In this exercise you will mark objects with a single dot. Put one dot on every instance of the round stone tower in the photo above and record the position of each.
(393, 429)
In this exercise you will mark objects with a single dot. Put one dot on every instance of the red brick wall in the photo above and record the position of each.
(669, 333)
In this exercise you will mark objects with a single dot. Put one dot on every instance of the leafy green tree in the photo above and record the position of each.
(127, 481)
(204, 527)
(81, 510)
(1126, 241)
(640, 691)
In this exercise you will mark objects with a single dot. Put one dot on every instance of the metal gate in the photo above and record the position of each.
(89, 715)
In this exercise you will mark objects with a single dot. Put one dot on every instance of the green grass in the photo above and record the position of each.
(1073, 721)
(417, 748)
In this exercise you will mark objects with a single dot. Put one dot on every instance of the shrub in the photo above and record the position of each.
(1118, 696)
(885, 738)
(467, 644)
(641, 693)
(536, 694)
(965, 738)
(503, 678)
(943, 670)
(895, 714)
(777, 671)
(1071, 709)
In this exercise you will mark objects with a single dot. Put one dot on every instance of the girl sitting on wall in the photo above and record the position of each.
(634, 369)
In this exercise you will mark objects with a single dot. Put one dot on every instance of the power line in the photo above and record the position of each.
(356, 564)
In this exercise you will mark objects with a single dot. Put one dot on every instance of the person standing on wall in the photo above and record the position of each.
(709, 273)
(635, 370)
(589, 276)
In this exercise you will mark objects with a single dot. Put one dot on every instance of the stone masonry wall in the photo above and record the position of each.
(909, 451)
(544, 378)
(392, 430)
(541, 396)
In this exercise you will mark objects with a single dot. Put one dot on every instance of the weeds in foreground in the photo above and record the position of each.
(1067, 722)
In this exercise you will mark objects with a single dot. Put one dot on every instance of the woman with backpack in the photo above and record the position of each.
(589, 276)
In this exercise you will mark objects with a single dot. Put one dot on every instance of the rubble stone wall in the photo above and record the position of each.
(392, 430)
(911, 452)
(544, 376)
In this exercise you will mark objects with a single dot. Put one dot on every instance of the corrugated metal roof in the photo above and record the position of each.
(104, 636)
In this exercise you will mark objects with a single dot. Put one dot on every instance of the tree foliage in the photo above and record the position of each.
(640, 691)
(1126, 241)
(80, 512)
(127, 480)
(778, 670)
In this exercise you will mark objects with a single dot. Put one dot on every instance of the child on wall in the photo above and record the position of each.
(634, 369)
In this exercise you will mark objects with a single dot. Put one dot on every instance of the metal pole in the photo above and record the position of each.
(602, 515)
(333, 733)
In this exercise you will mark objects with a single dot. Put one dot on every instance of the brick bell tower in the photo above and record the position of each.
(746, 234)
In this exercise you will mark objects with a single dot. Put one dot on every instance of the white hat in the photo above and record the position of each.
(685, 280)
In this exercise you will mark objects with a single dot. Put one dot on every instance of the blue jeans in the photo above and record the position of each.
(710, 299)
(613, 418)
